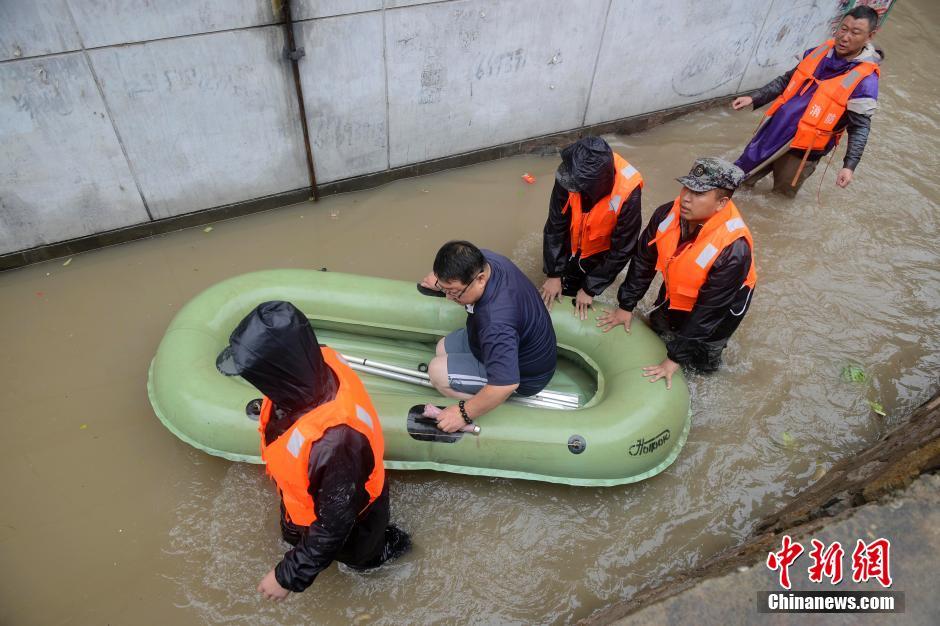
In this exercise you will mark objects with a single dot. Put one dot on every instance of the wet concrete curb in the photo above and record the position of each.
(859, 498)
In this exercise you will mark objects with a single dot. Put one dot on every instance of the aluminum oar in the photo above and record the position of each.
(544, 399)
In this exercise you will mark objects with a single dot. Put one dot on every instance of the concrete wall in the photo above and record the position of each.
(122, 112)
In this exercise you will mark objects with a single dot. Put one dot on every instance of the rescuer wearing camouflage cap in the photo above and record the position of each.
(705, 251)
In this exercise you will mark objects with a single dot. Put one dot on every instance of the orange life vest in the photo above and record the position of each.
(287, 457)
(590, 232)
(827, 105)
(685, 273)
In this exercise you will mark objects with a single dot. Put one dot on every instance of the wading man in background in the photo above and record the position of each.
(593, 223)
(834, 89)
(508, 344)
(705, 252)
(321, 442)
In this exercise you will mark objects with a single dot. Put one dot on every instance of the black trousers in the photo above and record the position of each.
(705, 354)
(366, 540)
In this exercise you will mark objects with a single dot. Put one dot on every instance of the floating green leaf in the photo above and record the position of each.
(207, 229)
(66, 264)
(877, 408)
(788, 439)
(854, 374)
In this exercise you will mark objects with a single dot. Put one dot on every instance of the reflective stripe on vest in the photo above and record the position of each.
(295, 443)
(590, 232)
(685, 273)
(706, 255)
(663, 225)
(287, 457)
(828, 103)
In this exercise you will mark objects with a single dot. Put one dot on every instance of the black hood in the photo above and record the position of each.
(587, 167)
(275, 349)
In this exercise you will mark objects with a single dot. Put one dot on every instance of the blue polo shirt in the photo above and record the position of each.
(509, 329)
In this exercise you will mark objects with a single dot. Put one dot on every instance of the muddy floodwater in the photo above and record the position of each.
(105, 517)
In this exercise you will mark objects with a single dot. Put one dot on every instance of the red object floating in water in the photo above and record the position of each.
(529, 178)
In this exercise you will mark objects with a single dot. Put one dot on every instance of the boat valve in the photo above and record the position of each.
(253, 409)
(576, 444)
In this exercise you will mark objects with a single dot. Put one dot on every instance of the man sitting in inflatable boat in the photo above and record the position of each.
(508, 344)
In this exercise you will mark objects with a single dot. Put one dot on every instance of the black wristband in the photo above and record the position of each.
(463, 412)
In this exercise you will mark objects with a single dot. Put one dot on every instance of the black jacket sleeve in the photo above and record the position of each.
(643, 266)
(858, 126)
(721, 287)
(622, 246)
(771, 90)
(339, 467)
(555, 244)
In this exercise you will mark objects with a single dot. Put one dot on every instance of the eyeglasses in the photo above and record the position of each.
(453, 294)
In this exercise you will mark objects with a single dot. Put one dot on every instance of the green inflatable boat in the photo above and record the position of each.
(623, 428)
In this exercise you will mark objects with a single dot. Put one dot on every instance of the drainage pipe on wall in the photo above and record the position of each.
(295, 54)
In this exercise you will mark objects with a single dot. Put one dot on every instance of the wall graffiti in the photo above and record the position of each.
(709, 67)
(493, 65)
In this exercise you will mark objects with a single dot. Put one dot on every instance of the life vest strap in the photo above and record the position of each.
(809, 83)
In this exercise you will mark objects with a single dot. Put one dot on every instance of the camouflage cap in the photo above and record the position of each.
(713, 173)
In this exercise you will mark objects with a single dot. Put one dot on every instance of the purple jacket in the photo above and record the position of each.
(780, 129)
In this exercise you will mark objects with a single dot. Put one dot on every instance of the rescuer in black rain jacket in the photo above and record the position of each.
(593, 223)
(322, 444)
